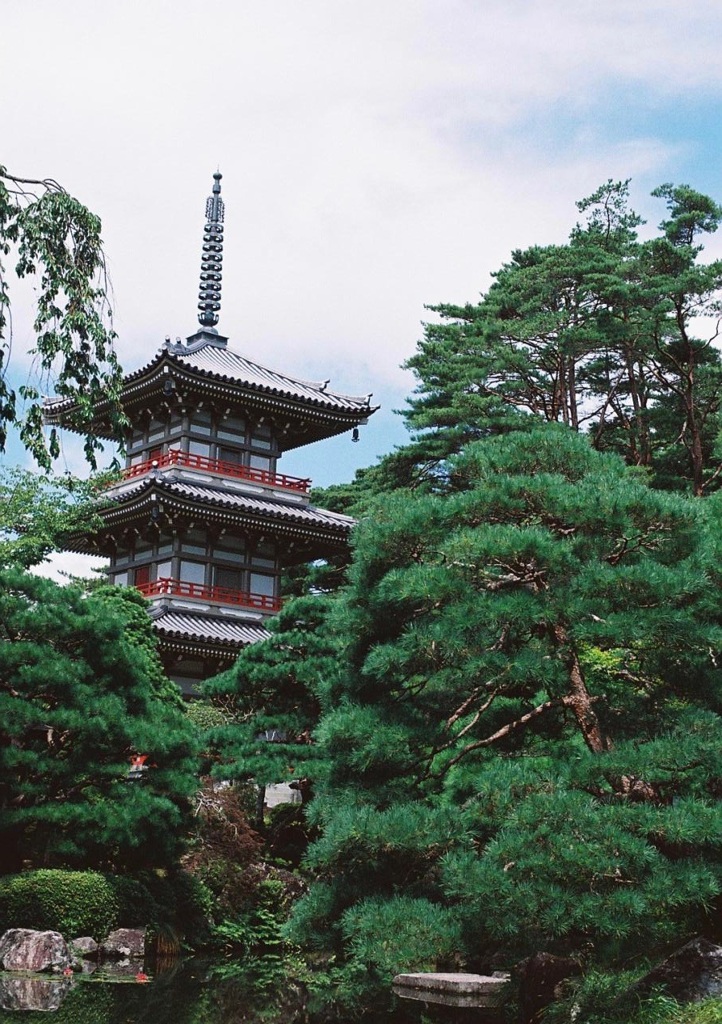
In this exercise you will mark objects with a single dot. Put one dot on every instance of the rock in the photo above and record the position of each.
(32, 993)
(124, 944)
(459, 989)
(539, 979)
(22, 949)
(692, 973)
(85, 947)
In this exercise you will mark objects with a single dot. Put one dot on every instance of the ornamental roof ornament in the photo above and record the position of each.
(209, 294)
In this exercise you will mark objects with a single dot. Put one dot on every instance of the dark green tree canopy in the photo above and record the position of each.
(518, 690)
(522, 740)
(81, 691)
(274, 694)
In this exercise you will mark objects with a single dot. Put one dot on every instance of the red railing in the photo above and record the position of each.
(232, 469)
(221, 595)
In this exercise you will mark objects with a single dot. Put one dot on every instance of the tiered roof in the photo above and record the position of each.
(219, 505)
(196, 633)
(207, 367)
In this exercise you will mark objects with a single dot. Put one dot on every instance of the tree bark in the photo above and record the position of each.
(579, 700)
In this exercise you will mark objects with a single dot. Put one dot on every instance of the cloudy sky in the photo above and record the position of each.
(377, 156)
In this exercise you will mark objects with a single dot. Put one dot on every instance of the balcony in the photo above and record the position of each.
(215, 595)
(185, 460)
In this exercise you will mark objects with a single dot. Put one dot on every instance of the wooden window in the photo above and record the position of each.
(201, 422)
(201, 448)
(165, 546)
(232, 429)
(194, 543)
(264, 556)
(262, 584)
(156, 430)
(232, 579)
(261, 437)
(229, 547)
(192, 572)
(233, 455)
(164, 570)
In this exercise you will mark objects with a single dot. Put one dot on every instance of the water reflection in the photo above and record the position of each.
(22, 993)
(189, 993)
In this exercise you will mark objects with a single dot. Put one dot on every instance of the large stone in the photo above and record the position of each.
(692, 973)
(85, 947)
(124, 944)
(539, 979)
(22, 949)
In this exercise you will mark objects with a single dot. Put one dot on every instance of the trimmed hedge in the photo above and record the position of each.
(71, 902)
(87, 903)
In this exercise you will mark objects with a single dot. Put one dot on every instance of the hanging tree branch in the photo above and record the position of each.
(53, 238)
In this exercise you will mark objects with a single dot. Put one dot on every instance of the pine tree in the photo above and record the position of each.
(81, 692)
(525, 736)
(606, 334)
(273, 697)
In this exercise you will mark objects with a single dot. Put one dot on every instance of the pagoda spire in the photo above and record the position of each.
(210, 290)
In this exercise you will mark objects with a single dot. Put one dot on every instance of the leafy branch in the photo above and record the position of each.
(53, 238)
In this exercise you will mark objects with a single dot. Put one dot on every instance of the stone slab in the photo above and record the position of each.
(474, 989)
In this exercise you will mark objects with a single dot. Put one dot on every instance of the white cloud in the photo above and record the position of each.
(377, 156)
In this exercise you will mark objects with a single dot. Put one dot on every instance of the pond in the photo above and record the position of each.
(191, 992)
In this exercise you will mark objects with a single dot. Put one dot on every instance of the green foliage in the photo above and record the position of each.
(402, 934)
(71, 902)
(526, 731)
(174, 901)
(276, 689)
(80, 692)
(605, 334)
(287, 833)
(82, 1004)
(223, 841)
(254, 938)
(205, 715)
(565, 869)
(606, 998)
(55, 240)
(36, 512)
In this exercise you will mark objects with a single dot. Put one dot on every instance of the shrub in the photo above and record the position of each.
(205, 716)
(136, 906)
(71, 902)
(177, 901)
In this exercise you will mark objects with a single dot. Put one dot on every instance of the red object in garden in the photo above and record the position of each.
(138, 767)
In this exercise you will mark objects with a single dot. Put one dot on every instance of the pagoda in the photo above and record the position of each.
(202, 522)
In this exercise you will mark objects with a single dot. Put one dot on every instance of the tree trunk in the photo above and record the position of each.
(579, 699)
